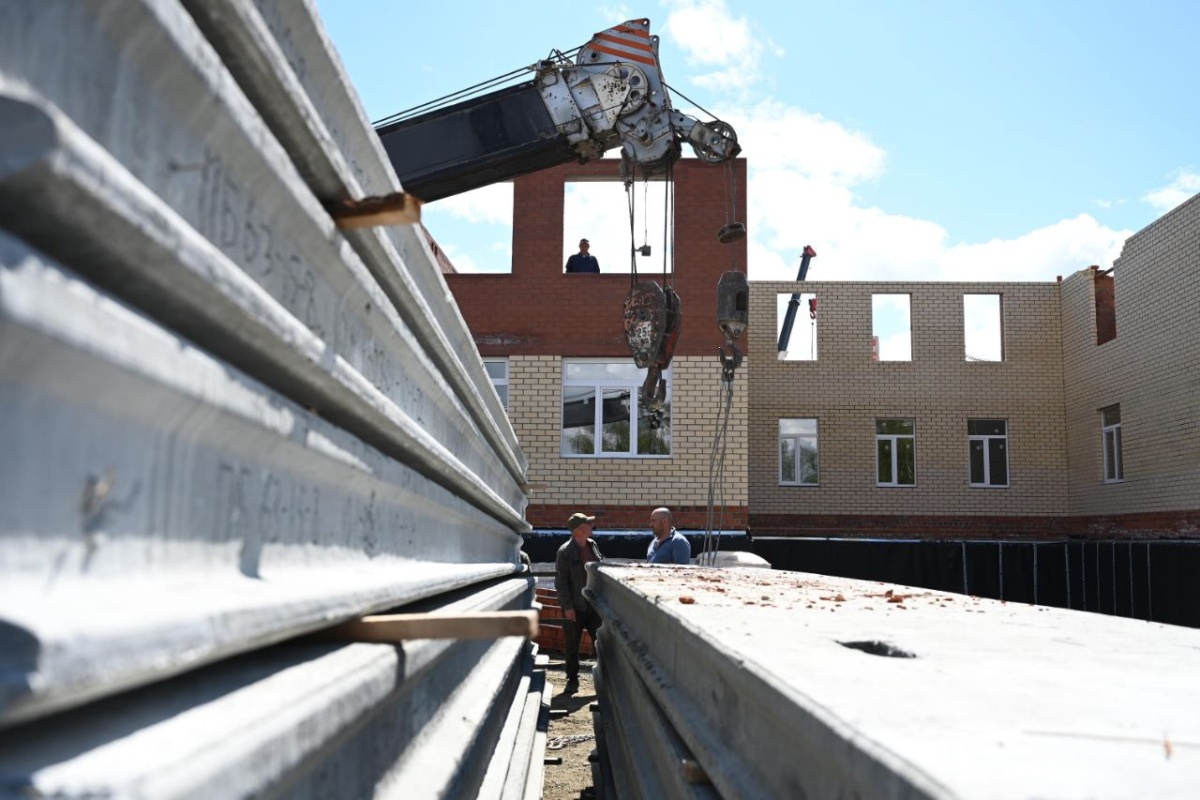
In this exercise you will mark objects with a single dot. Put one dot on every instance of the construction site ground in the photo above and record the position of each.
(570, 736)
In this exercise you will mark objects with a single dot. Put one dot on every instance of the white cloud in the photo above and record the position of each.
(618, 13)
(805, 171)
(711, 36)
(490, 204)
(1181, 189)
(462, 261)
(1059, 249)
(779, 137)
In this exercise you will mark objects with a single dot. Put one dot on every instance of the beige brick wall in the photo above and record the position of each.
(535, 408)
(847, 391)
(1152, 368)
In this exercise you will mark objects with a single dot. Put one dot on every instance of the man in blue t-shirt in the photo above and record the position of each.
(669, 546)
(583, 261)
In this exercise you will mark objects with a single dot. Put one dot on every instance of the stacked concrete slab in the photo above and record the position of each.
(748, 683)
(226, 424)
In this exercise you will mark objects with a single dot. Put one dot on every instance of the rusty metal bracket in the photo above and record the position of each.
(654, 390)
(731, 359)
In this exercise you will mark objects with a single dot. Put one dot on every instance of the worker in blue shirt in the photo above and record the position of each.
(583, 261)
(669, 545)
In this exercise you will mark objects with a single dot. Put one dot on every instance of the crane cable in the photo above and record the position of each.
(716, 460)
(716, 474)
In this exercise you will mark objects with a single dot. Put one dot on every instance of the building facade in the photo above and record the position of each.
(555, 344)
(891, 437)
(1082, 419)
(1012, 411)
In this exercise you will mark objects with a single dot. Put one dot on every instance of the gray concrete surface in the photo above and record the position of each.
(304, 719)
(754, 672)
(202, 150)
(227, 425)
(154, 494)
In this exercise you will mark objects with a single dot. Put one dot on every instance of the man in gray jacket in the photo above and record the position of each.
(570, 576)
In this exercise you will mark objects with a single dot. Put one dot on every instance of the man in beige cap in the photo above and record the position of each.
(570, 576)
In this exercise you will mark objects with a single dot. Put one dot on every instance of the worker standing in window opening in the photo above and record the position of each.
(669, 545)
(570, 576)
(583, 261)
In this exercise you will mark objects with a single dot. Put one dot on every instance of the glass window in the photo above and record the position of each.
(799, 464)
(1110, 431)
(602, 414)
(987, 451)
(895, 452)
(497, 370)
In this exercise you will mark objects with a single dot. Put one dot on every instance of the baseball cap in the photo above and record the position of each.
(577, 519)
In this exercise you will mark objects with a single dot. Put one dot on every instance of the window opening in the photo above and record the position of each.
(895, 452)
(983, 334)
(801, 344)
(987, 445)
(598, 210)
(891, 327)
(799, 464)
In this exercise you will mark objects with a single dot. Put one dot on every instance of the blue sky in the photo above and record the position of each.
(919, 140)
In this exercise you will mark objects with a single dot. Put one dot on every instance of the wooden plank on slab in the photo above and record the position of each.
(399, 627)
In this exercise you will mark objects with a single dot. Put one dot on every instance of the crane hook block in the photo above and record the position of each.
(645, 322)
(731, 232)
(733, 304)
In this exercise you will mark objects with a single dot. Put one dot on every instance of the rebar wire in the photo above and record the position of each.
(716, 477)
(556, 56)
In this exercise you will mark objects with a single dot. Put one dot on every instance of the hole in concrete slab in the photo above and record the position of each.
(879, 649)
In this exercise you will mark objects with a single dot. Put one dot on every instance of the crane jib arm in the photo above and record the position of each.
(476, 143)
(612, 95)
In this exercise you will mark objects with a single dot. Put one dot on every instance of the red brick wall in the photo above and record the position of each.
(522, 313)
(1106, 308)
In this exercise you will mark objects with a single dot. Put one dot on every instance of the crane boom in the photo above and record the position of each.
(611, 95)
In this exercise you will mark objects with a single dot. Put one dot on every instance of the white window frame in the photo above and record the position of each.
(798, 440)
(1114, 468)
(497, 380)
(599, 386)
(895, 438)
(987, 440)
